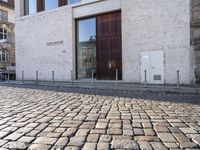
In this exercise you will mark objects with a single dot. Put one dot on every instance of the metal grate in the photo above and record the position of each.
(157, 77)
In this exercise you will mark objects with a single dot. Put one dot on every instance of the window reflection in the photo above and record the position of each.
(30, 6)
(33, 6)
(50, 4)
(73, 1)
(86, 48)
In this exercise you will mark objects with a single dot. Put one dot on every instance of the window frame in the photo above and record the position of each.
(77, 45)
(5, 18)
(26, 8)
(4, 34)
(6, 55)
(40, 5)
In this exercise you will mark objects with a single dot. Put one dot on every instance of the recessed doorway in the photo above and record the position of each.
(99, 47)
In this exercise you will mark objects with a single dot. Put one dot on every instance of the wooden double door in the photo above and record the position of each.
(109, 46)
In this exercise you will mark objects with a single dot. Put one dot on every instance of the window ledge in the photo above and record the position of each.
(3, 41)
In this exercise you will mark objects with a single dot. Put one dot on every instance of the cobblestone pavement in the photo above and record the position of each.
(71, 119)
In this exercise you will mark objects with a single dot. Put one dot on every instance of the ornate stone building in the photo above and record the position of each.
(7, 30)
(195, 40)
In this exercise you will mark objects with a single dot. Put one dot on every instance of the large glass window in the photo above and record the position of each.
(30, 6)
(86, 48)
(33, 6)
(50, 4)
(73, 1)
(3, 35)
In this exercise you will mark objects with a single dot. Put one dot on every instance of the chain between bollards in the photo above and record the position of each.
(22, 76)
(116, 77)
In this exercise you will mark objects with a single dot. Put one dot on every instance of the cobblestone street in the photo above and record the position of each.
(41, 118)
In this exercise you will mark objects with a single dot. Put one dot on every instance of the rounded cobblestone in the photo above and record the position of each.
(75, 118)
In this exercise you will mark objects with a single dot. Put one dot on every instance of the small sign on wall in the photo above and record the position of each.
(55, 43)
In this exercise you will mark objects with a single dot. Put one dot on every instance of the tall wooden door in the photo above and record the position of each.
(109, 46)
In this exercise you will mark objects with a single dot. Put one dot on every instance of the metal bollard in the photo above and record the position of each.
(22, 76)
(164, 87)
(92, 77)
(72, 79)
(36, 78)
(178, 78)
(116, 77)
(8, 76)
(145, 77)
(53, 79)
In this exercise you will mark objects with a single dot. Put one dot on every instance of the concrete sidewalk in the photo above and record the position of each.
(112, 85)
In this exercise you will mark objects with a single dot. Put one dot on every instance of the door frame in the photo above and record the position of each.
(76, 40)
